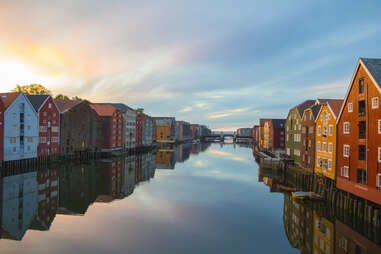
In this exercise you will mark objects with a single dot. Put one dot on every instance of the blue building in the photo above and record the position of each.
(20, 127)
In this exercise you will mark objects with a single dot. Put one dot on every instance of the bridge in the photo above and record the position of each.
(221, 138)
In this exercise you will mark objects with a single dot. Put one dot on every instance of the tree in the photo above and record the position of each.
(61, 97)
(32, 89)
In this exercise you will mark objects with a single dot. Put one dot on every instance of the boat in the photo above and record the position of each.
(302, 195)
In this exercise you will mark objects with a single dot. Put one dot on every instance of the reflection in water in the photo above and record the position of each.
(204, 207)
(316, 227)
(31, 200)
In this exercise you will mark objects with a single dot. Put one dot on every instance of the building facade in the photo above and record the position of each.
(165, 129)
(20, 127)
(184, 131)
(256, 133)
(80, 127)
(294, 130)
(144, 130)
(325, 139)
(262, 123)
(308, 137)
(359, 133)
(244, 132)
(112, 126)
(48, 124)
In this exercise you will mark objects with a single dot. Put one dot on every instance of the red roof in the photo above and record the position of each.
(103, 110)
(65, 105)
(9, 98)
(336, 106)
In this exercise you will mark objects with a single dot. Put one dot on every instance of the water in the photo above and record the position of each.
(192, 199)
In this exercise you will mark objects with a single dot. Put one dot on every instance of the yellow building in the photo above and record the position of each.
(325, 142)
(324, 235)
(266, 135)
(163, 133)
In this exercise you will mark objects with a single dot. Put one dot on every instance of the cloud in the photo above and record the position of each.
(186, 109)
(223, 115)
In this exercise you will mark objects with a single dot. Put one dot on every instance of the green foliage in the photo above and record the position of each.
(32, 89)
(61, 97)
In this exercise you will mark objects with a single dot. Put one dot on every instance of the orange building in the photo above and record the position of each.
(325, 136)
(359, 133)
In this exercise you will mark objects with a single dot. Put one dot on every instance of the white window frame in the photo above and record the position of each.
(379, 154)
(319, 130)
(345, 171)
(324, 147)
(350, 107)
(349, 151)
(330, 164)
(375, 102)
(330, 147)
(330, 129)
(318, 161)
(344, 128)
(318, 146)
(378, 180)
(379, 126)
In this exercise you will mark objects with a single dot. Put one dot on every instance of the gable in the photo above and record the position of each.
(363, 68)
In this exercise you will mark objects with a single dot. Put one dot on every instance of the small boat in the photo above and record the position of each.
(302, 195)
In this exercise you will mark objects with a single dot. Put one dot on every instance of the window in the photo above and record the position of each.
(378, 180)
(361, 86)
(324, 147)
(330, 164)
(29, 139)
(318, 146)
(28, 127)
(330, 130)
(350, 107)
(362, 108)
(325, 131)
(346, 150)
(343, 244)
(362, 129)
(12, 140)
(54, 114)
(318, 161)
(379, 126)
(319, 130)
(375, 102)
(297, 152)
(361, 176)
(44, 113)
(379, 154)
(49, 105)
(14, 115)
(362, 153)
(330, 147)
(346, 128)
(345, 171)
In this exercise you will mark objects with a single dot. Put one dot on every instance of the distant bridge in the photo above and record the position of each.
(221, 137)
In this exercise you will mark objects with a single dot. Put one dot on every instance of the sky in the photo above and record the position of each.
(216, 62)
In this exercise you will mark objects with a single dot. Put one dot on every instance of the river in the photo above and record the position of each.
(194, 198)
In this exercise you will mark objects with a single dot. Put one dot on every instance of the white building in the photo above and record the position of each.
(20, 127)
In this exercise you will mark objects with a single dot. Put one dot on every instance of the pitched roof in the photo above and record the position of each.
(65, 105)
(336, 106)
(278, 123)
(315, 110)
(304, 105)
(9, 98)
(37, 100)
(121, 106)
(103, 110)
(374, 67)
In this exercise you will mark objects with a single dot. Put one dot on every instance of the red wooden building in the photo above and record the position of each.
(112, 126)
(359, 133)
(2, 109)
(48, 124)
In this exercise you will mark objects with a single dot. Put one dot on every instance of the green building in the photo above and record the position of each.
(294, 130)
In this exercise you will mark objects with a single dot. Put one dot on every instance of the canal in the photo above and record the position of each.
(194, 198)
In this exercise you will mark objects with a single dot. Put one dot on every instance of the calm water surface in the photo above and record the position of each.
(193, 199)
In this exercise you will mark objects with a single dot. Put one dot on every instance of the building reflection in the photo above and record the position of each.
(31, 200)
(318, 228)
